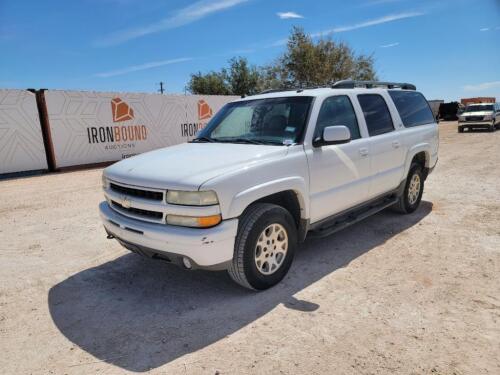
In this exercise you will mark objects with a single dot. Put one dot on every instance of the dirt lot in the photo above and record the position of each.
(417, 294)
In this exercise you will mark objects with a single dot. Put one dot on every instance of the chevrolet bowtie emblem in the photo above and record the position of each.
(126, 202)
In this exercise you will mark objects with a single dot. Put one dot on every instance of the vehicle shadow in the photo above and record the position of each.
(139, 314)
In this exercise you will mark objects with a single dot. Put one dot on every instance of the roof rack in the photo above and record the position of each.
(298, 89)
(269, 91)
(350, 84)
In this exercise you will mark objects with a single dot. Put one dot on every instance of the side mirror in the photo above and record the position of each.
(333, 135)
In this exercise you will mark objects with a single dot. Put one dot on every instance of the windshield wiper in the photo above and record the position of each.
(202, 140)
(248, 141)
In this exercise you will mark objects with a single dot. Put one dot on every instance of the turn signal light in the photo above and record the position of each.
(194, 222)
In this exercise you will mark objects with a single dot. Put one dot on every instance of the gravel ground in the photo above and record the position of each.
(416, 294)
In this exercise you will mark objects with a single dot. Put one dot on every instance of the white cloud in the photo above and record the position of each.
(181, 17)
(361, 25)
(389, 45)
(287, 15)
(482, 86)
(145, 66)
(373, 22)
(484, 29)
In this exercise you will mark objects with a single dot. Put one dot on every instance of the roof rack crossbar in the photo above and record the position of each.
(351, 84)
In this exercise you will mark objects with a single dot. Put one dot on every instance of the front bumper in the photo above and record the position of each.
(475, 124)
(210, 248)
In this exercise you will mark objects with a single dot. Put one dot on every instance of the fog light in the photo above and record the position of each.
(187, 263)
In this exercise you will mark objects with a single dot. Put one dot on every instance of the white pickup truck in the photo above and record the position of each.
(270, 169)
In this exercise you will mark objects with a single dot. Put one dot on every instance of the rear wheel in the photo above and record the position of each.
(414, 188)
(264, 247)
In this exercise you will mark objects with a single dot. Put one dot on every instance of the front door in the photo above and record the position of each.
(339, 174)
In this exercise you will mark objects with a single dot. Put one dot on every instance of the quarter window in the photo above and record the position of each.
(377, 115)
(412, 107)
(337, 110)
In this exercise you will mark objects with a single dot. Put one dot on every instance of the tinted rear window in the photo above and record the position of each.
(412, 107)
(377, 116)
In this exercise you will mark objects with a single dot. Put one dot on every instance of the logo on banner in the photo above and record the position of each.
(204, 110)
(204, 113)
(119, 136)
(121, 110)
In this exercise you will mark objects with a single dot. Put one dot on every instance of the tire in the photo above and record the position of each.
(492, 128)
(409, 201)
(460, 129)
(246, 269)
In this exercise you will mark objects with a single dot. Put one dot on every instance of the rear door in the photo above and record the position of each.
(386, 147)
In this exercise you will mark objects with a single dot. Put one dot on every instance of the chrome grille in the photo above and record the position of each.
(474, 118)
(138, 212)
(135, 192)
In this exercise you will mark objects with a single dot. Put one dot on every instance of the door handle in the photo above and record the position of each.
(363, 151)
(396, 144)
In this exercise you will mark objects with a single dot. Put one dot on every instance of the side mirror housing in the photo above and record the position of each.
(333, 135)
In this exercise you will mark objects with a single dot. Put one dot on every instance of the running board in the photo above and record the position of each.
(343, 220)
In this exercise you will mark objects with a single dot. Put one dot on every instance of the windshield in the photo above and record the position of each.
(279, 121)
(479, 108)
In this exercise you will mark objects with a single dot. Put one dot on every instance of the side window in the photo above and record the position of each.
(377, 115)
(412, 107)
(337, 110)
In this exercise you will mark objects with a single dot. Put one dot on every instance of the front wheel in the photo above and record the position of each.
(414, 188)
(264, 247)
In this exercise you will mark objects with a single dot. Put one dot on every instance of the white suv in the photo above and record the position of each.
(479, 115)
(270, 169)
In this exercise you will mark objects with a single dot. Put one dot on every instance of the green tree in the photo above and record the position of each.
(242, 78)
(213, 83)
(309, 63)
(239, 79)
(305, 62)
(364, 69)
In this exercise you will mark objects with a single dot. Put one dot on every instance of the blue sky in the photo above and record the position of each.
(448, 48)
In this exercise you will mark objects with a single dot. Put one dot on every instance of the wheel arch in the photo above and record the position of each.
(289, 193)
(419, 154)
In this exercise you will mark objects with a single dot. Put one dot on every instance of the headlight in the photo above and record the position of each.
(461, 118)
(105, 182)
(195, 222)
(192, 198)
(488, 118)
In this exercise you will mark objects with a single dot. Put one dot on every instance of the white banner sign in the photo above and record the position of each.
(21, 142)
(93, 127)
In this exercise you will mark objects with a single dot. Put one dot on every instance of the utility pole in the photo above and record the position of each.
(161, 90)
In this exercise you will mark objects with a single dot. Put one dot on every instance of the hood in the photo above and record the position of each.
(479, 113)
(189, 165)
